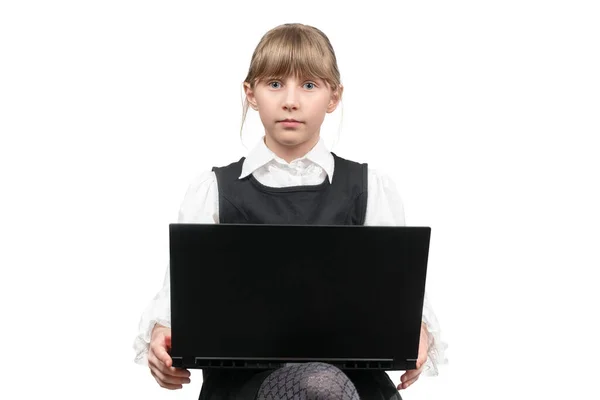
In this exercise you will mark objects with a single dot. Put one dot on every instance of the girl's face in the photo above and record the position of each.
(292, 112)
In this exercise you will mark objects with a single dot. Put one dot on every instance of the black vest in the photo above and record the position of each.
(247, 201)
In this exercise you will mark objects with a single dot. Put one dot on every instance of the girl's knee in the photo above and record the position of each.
(329, 382)
(309, 381)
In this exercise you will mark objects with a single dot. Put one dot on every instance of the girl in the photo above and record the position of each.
(289, 177)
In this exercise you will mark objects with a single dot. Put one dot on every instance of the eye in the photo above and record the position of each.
(310, 85)
(275, 85)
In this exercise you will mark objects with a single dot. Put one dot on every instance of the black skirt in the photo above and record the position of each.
(240, 384)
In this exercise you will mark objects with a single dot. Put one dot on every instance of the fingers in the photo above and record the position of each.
(408, 375)
(168, 377)
(407, 383)
(171, 377)
(408, 378)
(156, 364)
(160, 364)
(166, 383)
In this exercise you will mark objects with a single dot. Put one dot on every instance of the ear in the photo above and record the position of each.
(250, 96)
(336, 97)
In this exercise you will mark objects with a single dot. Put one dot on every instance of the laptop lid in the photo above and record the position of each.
(253, 296)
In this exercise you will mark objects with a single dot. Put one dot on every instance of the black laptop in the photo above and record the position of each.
(260, 296)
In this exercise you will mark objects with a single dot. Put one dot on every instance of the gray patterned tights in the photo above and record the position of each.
(308, 381)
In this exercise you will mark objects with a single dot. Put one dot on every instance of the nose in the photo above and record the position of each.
(290, 101)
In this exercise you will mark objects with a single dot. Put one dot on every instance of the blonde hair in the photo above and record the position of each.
(295, 50)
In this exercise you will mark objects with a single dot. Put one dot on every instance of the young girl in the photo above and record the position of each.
(289, 177)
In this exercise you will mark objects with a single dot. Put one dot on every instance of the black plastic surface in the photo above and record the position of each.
(245, 296)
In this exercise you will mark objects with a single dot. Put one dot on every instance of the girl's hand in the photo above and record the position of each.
(161, 363)
(411, 376)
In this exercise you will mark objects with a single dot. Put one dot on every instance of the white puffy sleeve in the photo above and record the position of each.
(200, 205)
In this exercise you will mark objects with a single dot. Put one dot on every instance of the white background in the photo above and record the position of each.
(485, 113)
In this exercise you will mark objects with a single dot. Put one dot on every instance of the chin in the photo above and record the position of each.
(290, 142)
(290, 138)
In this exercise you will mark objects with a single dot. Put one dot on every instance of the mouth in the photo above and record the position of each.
(289, 123)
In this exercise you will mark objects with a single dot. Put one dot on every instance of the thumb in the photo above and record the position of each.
(162, 349)
(169, 361)
(421, 360)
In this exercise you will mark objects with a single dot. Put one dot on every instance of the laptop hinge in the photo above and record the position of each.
(201, 362)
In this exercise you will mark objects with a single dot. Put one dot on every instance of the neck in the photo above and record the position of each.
(291, 152)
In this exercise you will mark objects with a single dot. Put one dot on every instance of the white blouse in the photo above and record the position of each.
(201, 205)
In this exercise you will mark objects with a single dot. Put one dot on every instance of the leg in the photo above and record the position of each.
(231, 384)
(373, 385)
(308, 381)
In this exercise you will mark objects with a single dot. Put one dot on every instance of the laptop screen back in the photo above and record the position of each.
(297, 293)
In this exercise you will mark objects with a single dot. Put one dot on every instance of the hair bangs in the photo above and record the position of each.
(294, 52)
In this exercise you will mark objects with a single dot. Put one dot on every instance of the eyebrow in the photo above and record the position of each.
(280, 78)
